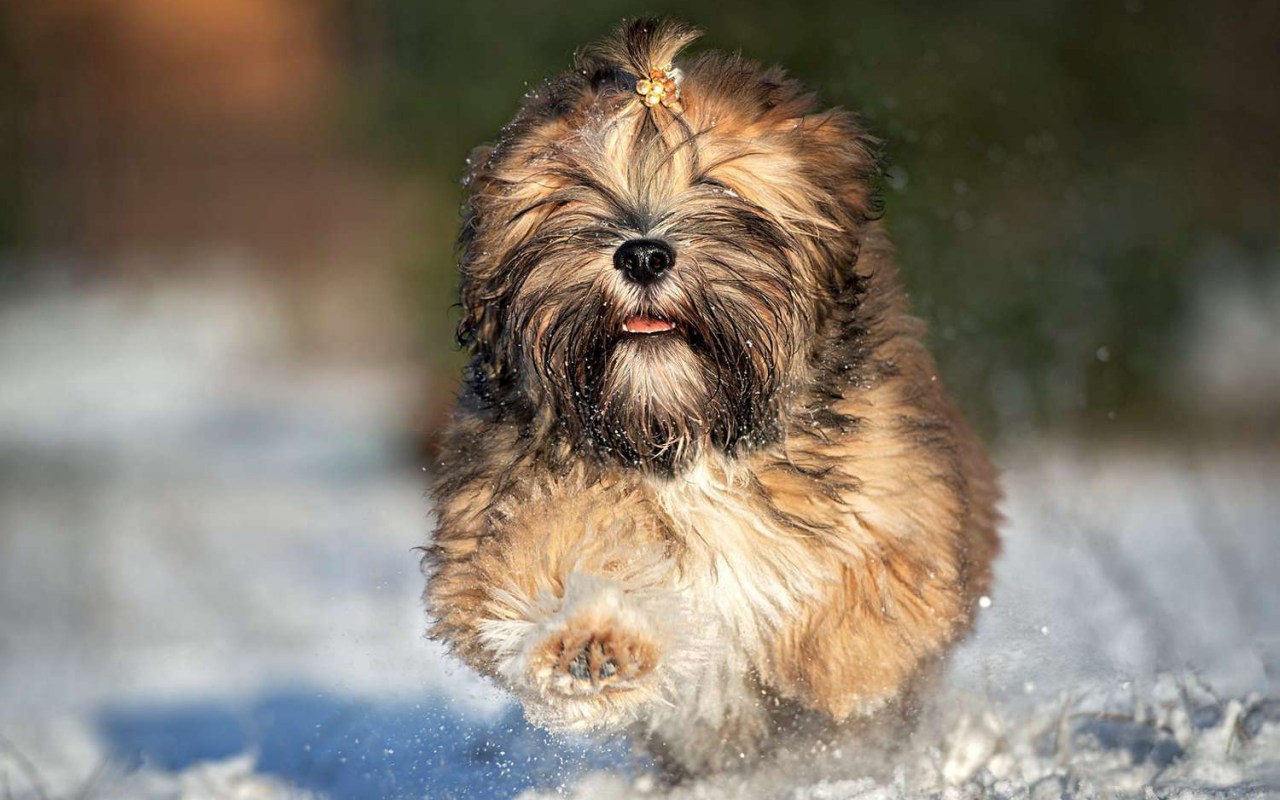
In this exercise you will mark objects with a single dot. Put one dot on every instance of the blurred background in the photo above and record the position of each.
(227, 280)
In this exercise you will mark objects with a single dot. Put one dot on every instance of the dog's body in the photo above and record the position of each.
(704, 469)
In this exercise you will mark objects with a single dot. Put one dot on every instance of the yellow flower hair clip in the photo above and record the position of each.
(662, 86)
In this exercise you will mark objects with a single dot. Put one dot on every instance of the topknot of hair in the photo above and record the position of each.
(641, 46)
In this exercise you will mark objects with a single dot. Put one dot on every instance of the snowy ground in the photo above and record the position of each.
(207, 590)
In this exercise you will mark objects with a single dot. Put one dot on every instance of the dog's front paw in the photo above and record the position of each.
(592, 657)
(597, 656)
(592, 672)
(600, 655)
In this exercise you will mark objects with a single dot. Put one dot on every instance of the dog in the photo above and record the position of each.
(703, 472)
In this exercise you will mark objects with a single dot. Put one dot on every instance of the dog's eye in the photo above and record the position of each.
(704, 180)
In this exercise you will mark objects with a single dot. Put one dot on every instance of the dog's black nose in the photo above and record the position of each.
(644, 260)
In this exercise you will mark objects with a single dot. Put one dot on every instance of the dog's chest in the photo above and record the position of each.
(740, 565)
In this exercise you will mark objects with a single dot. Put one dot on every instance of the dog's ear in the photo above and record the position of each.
(843, 158)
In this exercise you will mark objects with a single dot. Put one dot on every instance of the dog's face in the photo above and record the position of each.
(649, 283)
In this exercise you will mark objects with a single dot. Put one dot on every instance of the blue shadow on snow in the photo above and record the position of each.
(353, 750)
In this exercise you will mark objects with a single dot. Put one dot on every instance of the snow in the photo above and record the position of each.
(208, 589)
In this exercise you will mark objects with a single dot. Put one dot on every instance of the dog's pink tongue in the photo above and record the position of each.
(647, 325)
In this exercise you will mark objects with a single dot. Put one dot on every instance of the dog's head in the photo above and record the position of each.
(648, 271)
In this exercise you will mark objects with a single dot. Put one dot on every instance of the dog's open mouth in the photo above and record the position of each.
(643, 325)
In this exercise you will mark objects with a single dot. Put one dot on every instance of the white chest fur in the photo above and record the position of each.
(741, 567)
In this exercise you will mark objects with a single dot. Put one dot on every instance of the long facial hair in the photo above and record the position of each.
(760, 229)
(655, 400)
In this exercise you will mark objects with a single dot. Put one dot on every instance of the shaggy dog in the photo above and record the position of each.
(703, 472)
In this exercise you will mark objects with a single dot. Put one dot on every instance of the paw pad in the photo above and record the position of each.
(583, 663)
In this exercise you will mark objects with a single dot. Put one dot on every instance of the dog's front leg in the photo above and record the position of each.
(572, 608)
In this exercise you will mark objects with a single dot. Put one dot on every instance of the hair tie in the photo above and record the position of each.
(662, 86)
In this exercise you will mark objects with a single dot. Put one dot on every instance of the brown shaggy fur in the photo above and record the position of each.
(774, 505)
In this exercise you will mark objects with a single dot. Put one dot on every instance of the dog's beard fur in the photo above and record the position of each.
(764, 254)
(715, 380)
